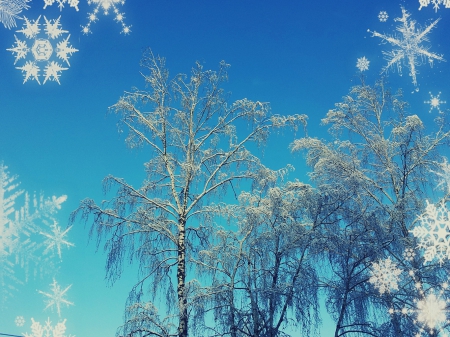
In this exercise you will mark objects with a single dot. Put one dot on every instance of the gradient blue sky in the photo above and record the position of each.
(298, 55)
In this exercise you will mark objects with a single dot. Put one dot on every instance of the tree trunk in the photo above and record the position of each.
(181, 278)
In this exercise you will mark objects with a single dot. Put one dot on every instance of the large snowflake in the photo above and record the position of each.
(57, 297)
(22, 219)
(408, 49)
(106, 6)
(384, 275)
(434, 232)
(436, 4)
(10, 10)
(37, 330)
(43, 49)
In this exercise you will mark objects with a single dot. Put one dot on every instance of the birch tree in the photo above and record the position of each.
(198, 149)
(263, 275)
(375, 172)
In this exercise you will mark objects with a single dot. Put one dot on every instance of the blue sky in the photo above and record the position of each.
(59, 139)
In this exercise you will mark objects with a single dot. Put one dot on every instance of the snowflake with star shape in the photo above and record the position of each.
(435, 102)
(19, 321)
(362, 64)
(444, 175)
(384, 275)
(71, 3)
(383, 16)
(429, 311)
(56, 239)
(45, 51)
(37, 330)
(408, 50)
(10, 10)
(57, 297)
(434, 232)
(435, 3)
(106, 6)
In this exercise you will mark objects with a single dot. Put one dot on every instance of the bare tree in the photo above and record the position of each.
(375, 175)
(198, 150)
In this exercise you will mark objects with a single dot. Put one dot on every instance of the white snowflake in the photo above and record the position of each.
(436, 4)
(21, 244)
(435, 102)
(37, 330)
(409, 254)
(42, 50)
(10, 10)
(72, 3)
(444, 175)
(383, 16)
(408, 50)
(56, 298)
(384, 275)
(362, 63)
(56, 239)
(20, 321)
(434, 232)
(105, 6)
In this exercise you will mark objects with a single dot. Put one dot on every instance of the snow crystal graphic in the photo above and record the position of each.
(20, 321)
(71, 3)
(409, 254)
(429, 311)
(384, 275)
(10, 10)
(42, 50)
(435, 3)
(106, 5)
(435, 102)
(57, 297)
(37, 330)
(408, 49)
(362, 63)
(21, 244)
(444, 176)
(434, 232)
(56, 239)
(383, 16)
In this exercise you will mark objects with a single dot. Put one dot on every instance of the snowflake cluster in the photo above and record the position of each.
(23, 244)
(42, 50)
(408, 49)
(435, 3)
(71, 3)
(37, 330)
(105, 6)
(435, 102)
(434, 232)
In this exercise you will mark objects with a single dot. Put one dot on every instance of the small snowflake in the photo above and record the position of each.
(434, 234)
(409, 254)
(384, 275)
(106, 5)
(435, 102)
(20, 321)
(362, 63)
(37, 330)
(56, 298)
(408, 49)
(383, 16)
